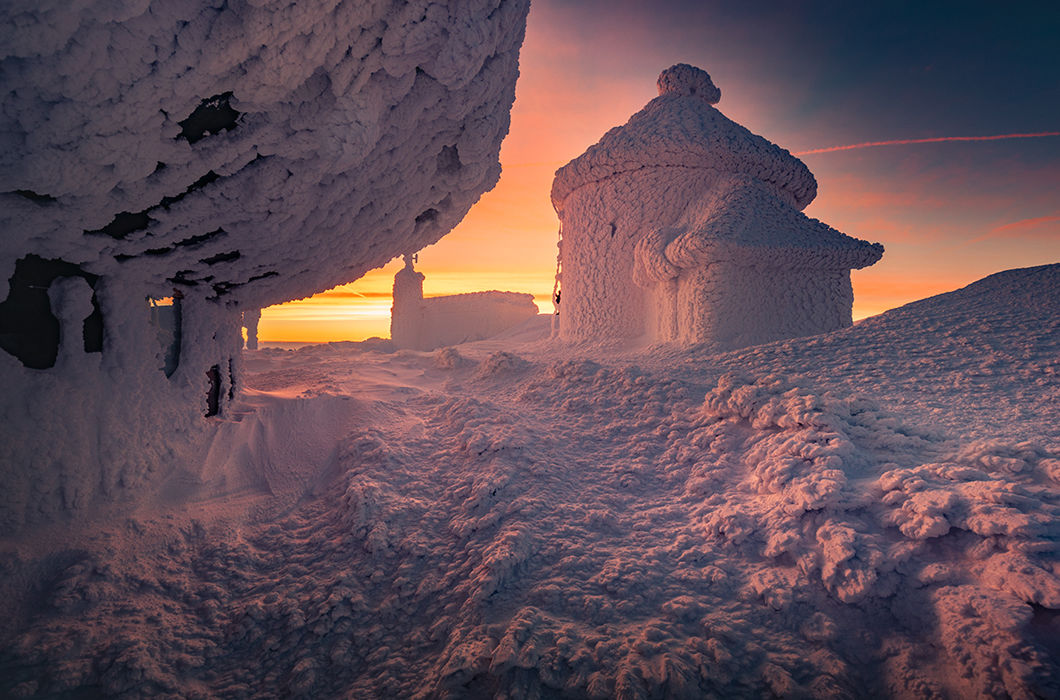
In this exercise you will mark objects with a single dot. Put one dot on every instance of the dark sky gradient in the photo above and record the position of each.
(858, 71)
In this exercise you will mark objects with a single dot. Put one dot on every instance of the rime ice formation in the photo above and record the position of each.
(425, 324)
(869, 513)
(242, 154)
(684, 226)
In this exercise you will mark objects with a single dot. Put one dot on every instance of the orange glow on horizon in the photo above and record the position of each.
(355, 312)
(361, 309)
(875, 292)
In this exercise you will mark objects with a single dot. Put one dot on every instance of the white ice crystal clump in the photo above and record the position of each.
(229, 156)
(704, 217)
(683, 79)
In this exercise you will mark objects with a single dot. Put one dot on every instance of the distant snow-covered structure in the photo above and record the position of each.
(684, 226)
(228, 156)
(417, 323)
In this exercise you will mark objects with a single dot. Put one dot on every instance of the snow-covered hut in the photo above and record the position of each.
(684, 226)
(417, 323)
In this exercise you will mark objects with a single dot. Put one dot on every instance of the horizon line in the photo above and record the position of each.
(934, 139)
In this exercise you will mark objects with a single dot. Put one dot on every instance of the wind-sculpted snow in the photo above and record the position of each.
(228, 155)
(995, 343)
(525, 521)
(742, 222)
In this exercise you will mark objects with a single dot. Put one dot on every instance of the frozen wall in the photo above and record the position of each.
(735, 306)
(462, 318)
(239, 153)
(740, 267)
(602, 222)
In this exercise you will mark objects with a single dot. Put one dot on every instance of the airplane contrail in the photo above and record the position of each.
(937, 139)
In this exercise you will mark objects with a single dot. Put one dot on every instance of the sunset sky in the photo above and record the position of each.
(809, 77)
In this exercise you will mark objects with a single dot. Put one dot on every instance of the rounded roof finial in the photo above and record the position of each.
(683, 79)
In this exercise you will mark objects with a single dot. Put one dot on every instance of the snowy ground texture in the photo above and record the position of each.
(868, 513)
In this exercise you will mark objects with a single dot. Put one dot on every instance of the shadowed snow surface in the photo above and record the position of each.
(867, 513)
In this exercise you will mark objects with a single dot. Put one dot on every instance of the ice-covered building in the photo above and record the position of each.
(682, 225)
(417, 323)
(227, 157)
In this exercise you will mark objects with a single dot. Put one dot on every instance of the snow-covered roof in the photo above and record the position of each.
(743, 221)
(681, 128)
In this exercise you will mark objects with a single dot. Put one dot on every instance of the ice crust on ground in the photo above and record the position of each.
(683, 226)
(868, 513)
(237, 154)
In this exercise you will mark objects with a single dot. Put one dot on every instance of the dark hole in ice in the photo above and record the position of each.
(201, 238)
(197, 185)
(449, 160)
(222, 288)
(613, 229)
(182, 278)
(123, 224)
(213, 393)
(264, 275)
(221, 257)
(427, 216)
(212, 116)
(93, 328)
(35, 197)
(231, 379)
(28, 329)
(158, 251)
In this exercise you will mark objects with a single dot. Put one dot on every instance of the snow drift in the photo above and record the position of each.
(228, 155)
(866, 513)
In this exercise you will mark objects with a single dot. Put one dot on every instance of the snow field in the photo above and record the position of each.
(815, 517)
